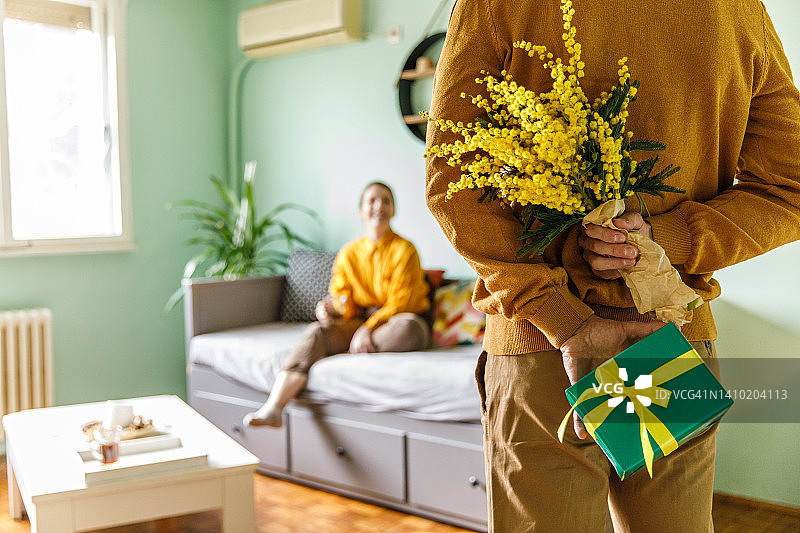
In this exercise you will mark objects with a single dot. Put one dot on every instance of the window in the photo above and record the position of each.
(63, 150)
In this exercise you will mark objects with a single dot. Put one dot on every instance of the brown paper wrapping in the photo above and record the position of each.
(654, 284)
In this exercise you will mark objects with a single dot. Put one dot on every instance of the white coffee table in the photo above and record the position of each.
(46, 475)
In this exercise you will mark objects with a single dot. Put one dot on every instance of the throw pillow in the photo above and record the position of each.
(434, 277)
(455, 321)
(307, 279)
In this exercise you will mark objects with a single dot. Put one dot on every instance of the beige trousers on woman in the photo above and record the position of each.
(537, 484)
(404, 332)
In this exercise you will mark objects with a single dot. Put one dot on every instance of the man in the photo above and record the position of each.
(716, 88)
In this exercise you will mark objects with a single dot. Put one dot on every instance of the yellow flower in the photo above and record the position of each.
(530, 147)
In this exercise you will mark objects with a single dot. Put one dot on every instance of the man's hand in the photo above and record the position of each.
(596, 341)
(362, 341)
(604, 249)
(325, 311)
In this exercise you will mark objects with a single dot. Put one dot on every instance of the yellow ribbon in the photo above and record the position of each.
(608, 379)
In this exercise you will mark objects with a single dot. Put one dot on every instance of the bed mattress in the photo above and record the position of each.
(436, 384)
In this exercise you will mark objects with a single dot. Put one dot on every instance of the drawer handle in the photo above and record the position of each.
(340, 451)
(237, 428)
(474, 481)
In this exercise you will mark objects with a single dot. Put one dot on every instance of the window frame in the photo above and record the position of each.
(111, 26)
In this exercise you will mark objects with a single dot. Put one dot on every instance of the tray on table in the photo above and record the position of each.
(162, 451)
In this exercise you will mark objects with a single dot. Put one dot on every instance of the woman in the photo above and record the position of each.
(377, 291)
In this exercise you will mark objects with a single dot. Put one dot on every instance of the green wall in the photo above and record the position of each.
(758, 315)
(110, 338)
(322, 123)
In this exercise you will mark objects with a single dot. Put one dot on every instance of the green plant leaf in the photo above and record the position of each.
(193, 263)
(202, 207)
(176, 297)
(647, 146)
(291, 206)
(228, 194)
(234, 242)
(552, 222)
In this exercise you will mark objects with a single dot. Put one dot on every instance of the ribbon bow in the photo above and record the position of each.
(612, 384)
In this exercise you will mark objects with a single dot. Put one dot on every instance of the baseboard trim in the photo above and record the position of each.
(732, 499)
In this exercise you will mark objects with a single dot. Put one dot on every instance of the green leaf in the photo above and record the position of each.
(176, 297)
(217, 269)
(551, 224)
(489, 193)
(290, 206)
(192, 265)
(234, 242)
(211, 241)
(647, 146)
(227, 193)
(625, 175)
(205, 207)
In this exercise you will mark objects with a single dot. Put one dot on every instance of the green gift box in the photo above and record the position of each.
(648, 400)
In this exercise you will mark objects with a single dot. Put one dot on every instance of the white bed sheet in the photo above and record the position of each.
(436, 384)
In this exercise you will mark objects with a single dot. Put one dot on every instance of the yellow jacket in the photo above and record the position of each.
(384, 274)
(715, 87)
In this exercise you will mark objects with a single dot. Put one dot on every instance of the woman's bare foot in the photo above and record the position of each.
(287, 386)
(268, 417)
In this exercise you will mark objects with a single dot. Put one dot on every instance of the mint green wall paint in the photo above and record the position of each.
(110, 339)
(758, 315)
(322, 123)
(758, 460)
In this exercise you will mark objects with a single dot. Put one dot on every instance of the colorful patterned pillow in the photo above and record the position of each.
(455, 321)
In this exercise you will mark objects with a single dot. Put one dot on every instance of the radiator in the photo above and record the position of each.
(26, 360)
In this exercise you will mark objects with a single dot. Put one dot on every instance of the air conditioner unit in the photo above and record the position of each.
(293, 25)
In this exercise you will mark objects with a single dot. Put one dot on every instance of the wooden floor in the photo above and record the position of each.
(283, 507)
(738, 515)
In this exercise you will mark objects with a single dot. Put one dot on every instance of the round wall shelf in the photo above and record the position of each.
(417, 66)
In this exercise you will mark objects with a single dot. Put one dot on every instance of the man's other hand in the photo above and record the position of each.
(596, 341)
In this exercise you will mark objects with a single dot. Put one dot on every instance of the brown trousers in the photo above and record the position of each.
(404, 332)
(537, 484)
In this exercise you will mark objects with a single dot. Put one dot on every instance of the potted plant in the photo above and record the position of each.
(235, 242)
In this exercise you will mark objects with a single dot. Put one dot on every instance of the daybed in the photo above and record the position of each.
(399, 430)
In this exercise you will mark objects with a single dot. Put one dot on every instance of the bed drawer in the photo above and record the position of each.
(347, 454)
(445, 475)
(225, 412)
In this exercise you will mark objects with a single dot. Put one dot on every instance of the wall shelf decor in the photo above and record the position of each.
(425, 68)
(417, 66)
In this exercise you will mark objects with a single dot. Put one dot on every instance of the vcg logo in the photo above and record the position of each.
(618, 392)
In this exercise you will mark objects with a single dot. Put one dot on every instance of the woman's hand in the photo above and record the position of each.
(325, 312)
(362, 341)
(604, 249)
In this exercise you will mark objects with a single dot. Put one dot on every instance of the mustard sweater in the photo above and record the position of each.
(384, 274)
(715, 87)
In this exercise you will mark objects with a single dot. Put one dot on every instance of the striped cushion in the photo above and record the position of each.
(455, 321)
